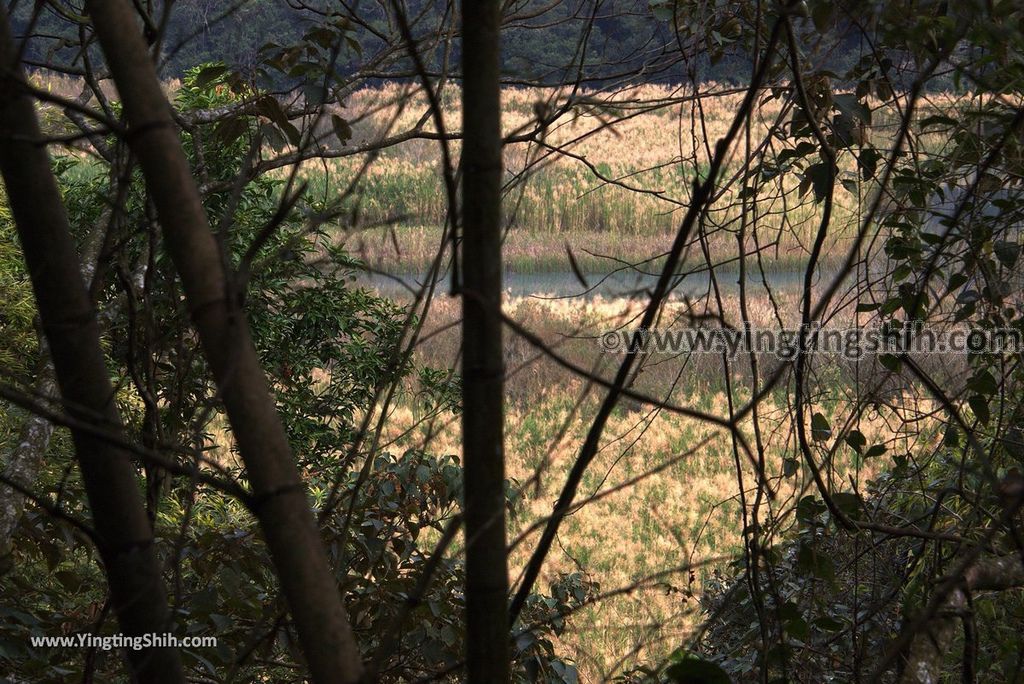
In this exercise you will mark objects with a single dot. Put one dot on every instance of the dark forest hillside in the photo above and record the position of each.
(619, 38)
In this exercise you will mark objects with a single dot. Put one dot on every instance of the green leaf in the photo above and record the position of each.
(965, 312)
(341, 129)
(69, 580)
(353, 44)
(875, 450)
(867, 161)
(1006, 252)
(789, 611)
(952, 436)
(694, 670)
(209, 75)
(937, 120)
(269, 107)
(849, 105)
(979, 405)
(891, 306)
(811, 560)
(856, 439)
(808, 509)
(315, 93)
(890, 362)
(829, 624)
(321, 35)
(820, 429)
(230, 130)
(822, 16)
(294, 137)
(798, 628)
(900, 273)
(790, 466)
(848, 502)
(662, 11)
(983, 383)
(957, 280)
(820, 176)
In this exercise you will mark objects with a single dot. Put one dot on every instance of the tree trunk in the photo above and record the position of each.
(487, 622)
(930, 646)
(281, 505)
(123, 535)
(26, 457)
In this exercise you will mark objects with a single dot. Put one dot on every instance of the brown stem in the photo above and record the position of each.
(483, 371)
(123, 535)
(280, 500)
(930, 645)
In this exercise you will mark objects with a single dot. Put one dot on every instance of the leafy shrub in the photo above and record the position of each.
(329, 348)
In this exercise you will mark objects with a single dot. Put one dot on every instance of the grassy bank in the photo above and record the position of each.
(410, 249)
(665, 514)
(612, 182)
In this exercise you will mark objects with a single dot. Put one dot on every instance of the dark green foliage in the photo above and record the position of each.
(18, 340)
(329, 347)
(546, 43)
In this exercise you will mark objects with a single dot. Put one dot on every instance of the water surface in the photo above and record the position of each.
(621, 284)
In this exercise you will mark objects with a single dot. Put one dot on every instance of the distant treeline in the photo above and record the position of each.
(619, 38)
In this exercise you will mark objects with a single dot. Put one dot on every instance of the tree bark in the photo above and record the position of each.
(487, 621)
(931, 644)
(281, 504)
(26, 458)
(123, 535)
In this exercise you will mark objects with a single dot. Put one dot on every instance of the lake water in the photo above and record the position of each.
(622, 284)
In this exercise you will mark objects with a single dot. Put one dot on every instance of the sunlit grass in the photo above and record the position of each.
(666, 488)
(603, 190)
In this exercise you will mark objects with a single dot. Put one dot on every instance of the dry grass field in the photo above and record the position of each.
(609, 181)
(663, 516)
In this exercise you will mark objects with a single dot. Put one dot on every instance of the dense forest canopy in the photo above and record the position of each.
(616, 38)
